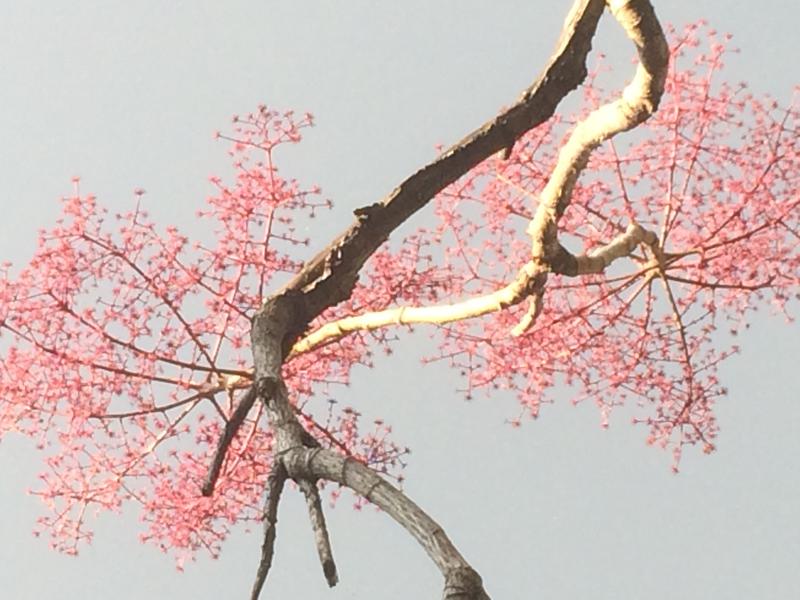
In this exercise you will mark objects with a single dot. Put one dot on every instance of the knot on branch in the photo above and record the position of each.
(275, 326)
(598, 259)
(464, 583)
(266, 387)
(298, 461)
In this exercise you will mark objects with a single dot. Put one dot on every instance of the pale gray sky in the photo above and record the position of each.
(127, 94)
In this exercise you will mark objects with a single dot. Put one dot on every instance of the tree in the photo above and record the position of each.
(147, 339)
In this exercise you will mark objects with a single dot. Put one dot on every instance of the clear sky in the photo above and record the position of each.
(127, 94)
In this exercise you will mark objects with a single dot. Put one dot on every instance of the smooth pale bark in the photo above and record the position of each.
(637, 102)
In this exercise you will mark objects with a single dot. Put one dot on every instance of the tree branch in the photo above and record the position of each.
(275, 480)
(231, 428)
(328, 465)
(638, 101)
(329, 277)
(600, 258)
(317, 518)
(303, 459)
(530, 280)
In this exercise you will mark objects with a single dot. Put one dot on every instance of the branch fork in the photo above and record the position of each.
(327, 279)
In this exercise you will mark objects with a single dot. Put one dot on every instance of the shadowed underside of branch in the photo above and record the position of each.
(330, 276)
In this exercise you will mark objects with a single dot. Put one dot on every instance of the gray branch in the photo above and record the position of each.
(275, 481)
(230, 431)
(320, 529)
(461, 580)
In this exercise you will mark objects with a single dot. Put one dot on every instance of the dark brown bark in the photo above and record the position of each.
(329, 277)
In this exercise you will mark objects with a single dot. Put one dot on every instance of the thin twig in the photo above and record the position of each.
(162, 409)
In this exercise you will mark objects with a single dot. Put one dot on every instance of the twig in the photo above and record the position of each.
(275, 481)
(231, 428)
(321, 538)
(162, 409)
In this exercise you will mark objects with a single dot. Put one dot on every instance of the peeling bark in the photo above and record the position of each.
(329, 277)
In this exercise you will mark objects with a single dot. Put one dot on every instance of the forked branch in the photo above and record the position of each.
(637, 102)
(461, 581)
(329, 277)
(529, 282)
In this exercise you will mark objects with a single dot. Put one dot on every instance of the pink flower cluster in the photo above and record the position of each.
(125, 346)
(715, 174)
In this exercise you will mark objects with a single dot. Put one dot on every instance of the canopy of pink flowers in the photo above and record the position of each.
(125, 344)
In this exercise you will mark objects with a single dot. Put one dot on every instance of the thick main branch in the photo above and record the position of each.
(329, 277)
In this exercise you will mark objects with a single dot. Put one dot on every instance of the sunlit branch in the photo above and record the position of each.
(529, 282)
(597, 260)
(637, 102)
(528, 279)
